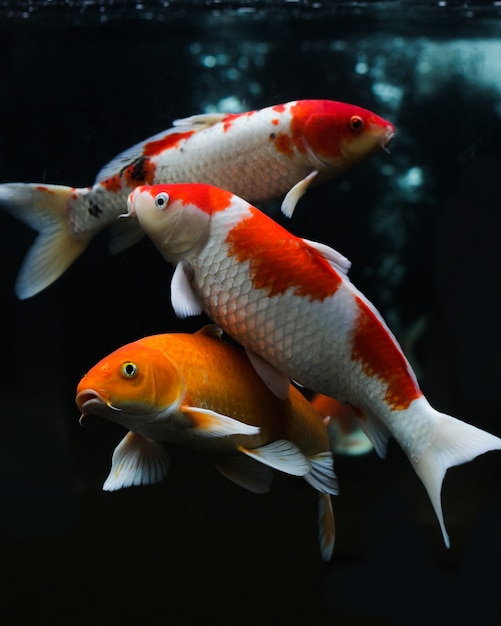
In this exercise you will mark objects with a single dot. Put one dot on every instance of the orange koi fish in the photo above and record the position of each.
(201, 392)
(258, 155)
(290, 303)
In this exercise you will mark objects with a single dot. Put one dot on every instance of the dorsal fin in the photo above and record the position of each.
(211, 330)
(337, 261)
(198, 122)
(194, 123)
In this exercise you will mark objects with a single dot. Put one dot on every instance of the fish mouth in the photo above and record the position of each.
(387, 137)
(131, 210)
(88, 400)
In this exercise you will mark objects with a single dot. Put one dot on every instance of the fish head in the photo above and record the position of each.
(133, 386)
(338, 135)
(176, 217)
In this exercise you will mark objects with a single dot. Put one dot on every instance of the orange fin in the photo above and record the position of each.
(137, 461)
(326, 526)
(281, 455)
(211, 424)
(242, 471)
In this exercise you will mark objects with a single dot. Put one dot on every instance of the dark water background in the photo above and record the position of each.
(82, 81)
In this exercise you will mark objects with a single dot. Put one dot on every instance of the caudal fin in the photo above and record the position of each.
(455, 442)
(44, 208)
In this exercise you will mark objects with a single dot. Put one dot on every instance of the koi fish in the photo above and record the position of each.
(258, 155)
(345, 433)
(201, 392)
(290, 303)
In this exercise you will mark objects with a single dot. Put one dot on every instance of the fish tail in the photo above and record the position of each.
(454, 442)
(45, 209)
(326, 526)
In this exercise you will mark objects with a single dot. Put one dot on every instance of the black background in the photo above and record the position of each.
(75, 91)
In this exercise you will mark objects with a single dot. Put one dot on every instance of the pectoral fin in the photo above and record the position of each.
(137, 461)
(295, 194)
(211, 424)
(322, 476)
(242, 471)
(276, 382)
(184, 301)
(124, 234)
(376, 432)
(282, 455)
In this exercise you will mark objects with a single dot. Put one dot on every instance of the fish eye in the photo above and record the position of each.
(356, 123)
(161, 200)
(128, 369)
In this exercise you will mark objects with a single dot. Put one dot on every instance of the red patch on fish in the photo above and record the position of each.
(113, 184)
(45, 189)
(279, 108)
(288, 263)
(140, 172)
(231, 117)
(205, 197)
(172, 140)
(283, 144)
(380, 357)
(322, 133)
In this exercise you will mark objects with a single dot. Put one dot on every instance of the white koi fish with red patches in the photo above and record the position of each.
(259, 155)
(290, 303)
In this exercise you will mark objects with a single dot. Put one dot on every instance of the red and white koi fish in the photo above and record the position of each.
(291, 304)
(198, 391)
(258, 155)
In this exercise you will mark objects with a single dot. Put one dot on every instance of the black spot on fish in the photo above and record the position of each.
(136, 171)
(272, 136)
(94, 210)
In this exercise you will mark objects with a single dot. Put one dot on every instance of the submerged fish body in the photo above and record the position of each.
(290, 303)
(259, 155)
(200, 392)
(345, 433)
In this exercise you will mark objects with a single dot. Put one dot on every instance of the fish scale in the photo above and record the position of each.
(277, 327)
(232, 154)
(290, 303)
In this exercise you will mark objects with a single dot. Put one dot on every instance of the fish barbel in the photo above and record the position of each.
(198, 391)
(290, 303)
(259, 155)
